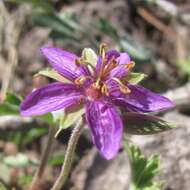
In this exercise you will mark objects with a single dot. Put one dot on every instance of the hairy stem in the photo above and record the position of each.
(39, 173)
(69, 156)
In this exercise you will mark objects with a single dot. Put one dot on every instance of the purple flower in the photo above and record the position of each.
(102, 88)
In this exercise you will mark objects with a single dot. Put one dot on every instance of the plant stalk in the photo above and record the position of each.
(69, 156)
(39, 173)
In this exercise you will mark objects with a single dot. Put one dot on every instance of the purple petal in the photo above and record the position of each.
(121, 70)
(112, 54)
(143, 100)
(64, 62)
(106, 128)
(113, 88)
(123, 58)
(50, 98)
(99, 65)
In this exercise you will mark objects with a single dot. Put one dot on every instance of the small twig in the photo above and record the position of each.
(155, 22)
(12, 26)
(69, 156)
(39, 174)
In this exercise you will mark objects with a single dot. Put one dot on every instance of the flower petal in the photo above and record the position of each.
(123, 58)
(112, 54)
(113, 88)
(121, 71)
(50, 98)
(106, 128)
(63, 62)
(143, 100)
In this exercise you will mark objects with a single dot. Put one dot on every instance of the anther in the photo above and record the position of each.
(104, 90)
(102, 50)
(80, 80)
(79, 61)
(130, 65)
(123, 88)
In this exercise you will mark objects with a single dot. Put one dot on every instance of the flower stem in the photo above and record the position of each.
(69, 156)
(39, 173)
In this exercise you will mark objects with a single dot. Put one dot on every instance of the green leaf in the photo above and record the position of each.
(12, 99)
(142, 124)
(143, 169)
(47, 117)
(184, 65)
(10, 106)
(8, 109)
(2, 187)
(17, 161)
(135, 78)
(106, 27)
(56, 160)
(53, 75)
(58, 27)
(34, 134)
(37, 3)
(5, 173)
(25, 180)
(137, 53)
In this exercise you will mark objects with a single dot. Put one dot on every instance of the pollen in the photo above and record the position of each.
(79, 62)
(80, 80)
(130, 65)
(96, 85)
(122, 87)
(104, 90)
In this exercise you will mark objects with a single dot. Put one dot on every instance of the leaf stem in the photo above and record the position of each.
(69, 156)
(39, 173)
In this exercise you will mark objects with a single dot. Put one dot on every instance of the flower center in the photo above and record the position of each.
(93, 93)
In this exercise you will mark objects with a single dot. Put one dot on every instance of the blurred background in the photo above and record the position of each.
(156, 34)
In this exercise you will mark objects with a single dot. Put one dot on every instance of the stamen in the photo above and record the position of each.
(78, 62)
(104, 90)
(123, 88)
(80, 80)
(113, 63)
(130, 65)
(102, 50)
(96, 85)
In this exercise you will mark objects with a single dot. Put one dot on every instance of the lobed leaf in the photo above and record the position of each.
(143, 169)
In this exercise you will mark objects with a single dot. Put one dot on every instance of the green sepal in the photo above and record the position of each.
(135, 78)
(89, 56)
(53, 75)
(66, 119)
(143, 124)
